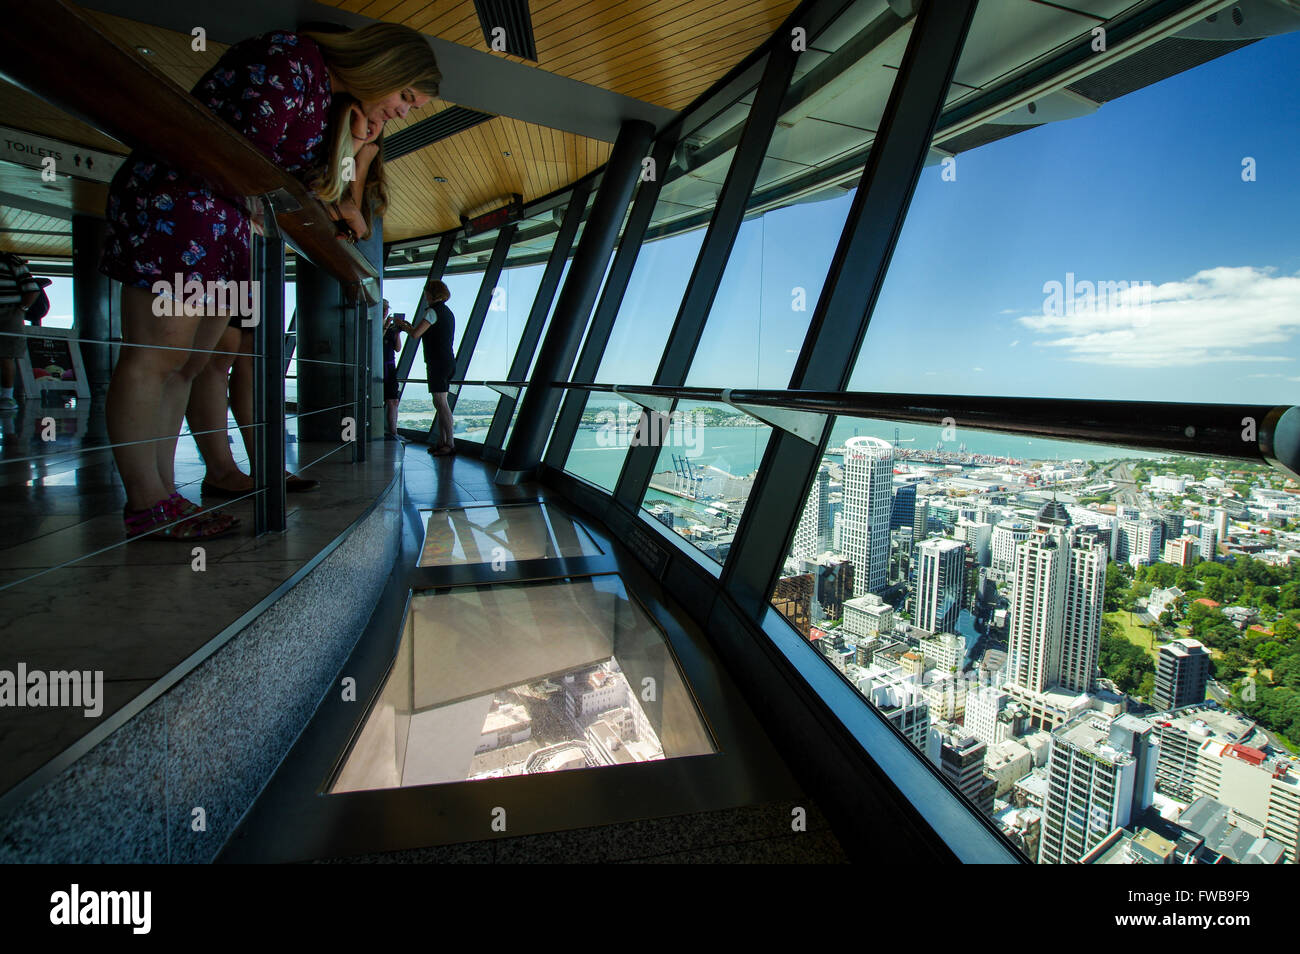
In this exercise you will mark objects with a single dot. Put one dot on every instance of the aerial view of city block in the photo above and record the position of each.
(1102, 655)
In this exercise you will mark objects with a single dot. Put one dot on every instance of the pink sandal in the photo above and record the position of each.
(168, 520)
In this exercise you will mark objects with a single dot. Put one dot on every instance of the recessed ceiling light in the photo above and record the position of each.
(145, 50)
(506, 153)
(439, 179)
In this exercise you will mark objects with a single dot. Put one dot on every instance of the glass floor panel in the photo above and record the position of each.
(517, 679)
(466, 535)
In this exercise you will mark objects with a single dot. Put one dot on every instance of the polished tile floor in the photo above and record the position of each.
(75, 596)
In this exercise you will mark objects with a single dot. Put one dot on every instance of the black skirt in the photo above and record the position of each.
(439, 375)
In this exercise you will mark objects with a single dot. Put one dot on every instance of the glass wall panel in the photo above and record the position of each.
(1163, 275)
(473, 412)
(709, 454)
(801, 199)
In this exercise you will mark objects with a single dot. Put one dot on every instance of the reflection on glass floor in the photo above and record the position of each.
(495, 534)
(517, 679)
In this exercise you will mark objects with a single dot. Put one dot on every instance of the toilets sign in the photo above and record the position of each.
(54, 157)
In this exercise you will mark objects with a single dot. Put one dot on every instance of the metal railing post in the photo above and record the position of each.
(269, 509)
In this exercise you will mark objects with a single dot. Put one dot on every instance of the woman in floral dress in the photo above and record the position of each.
(278, 91)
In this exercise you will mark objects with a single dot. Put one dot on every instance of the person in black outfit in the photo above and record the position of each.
(392, 344)
(439, 358)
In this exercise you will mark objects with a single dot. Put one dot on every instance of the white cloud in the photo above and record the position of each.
(1014, 343)
(1218, 315)
(977, 369)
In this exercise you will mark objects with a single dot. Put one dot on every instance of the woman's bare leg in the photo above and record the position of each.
(176, 392)
(444, 418)
(392, 417)
(207, 414)
(137, 423)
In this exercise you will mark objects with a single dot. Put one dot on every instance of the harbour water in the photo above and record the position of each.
(739, 450)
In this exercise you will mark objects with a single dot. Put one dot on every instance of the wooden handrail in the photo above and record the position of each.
(52, 50)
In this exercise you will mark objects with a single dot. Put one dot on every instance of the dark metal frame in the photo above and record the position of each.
(269, 507)
(537, 314)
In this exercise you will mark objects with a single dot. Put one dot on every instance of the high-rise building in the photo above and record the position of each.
(1005, 538)
(1183, 551)
(834, 577)
(1262, 791)
(812, 535)
(899, 699)
(868, 508)
(921, 525)
(1141, 542)
(960, 757)
(1100, 775)
(904, 509)
(1056, 604)
(945, 651)
(1221, 524)
(978, 537)
(940, 584)
(867, 616)
(1173, 523)
(1181, 675)
(793, 598)
(992, 715)
(1209, 541)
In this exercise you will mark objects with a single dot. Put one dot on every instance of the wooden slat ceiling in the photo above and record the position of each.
(666, 53)
(33, 235)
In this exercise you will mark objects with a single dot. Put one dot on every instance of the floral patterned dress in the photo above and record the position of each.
(162, 220)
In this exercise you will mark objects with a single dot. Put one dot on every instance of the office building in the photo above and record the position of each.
(812, 535)
(1100, 775)
(1183, 551)
(1209, 541)
(867, 616)
(868, 508)
(940, 584)
(946, 651)
(921, 523)
(1182, 674)
(899, 699)
(1005, 538)
(904, 510)
(978, 536)
(960, 758)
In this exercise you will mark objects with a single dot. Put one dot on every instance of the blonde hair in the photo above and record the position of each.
(372, 62)
(380, 59)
